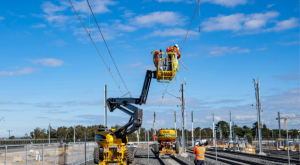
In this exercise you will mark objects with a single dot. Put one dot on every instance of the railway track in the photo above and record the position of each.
(262, 157)
(170, 160)
(227, 160)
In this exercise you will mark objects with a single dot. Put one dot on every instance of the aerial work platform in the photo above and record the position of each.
(166, 64)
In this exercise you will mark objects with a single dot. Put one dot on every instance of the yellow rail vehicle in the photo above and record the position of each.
(167, 144)
(111, 149)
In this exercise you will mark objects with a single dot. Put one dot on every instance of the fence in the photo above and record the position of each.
(44, 154)
(39, 141)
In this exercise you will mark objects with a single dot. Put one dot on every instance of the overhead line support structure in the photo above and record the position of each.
(258, 107)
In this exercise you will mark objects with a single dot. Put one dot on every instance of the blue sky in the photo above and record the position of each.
(50, 71)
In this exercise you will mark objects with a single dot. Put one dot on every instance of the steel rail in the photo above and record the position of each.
(268, 158)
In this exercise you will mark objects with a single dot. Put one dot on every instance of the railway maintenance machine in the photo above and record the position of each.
(166, 143)
(111, 142)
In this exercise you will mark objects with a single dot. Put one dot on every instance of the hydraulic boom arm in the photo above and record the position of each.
(125, 105)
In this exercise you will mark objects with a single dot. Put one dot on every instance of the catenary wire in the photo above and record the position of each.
(163, 97)
(95, 45)
(189, 26)
(106, 45)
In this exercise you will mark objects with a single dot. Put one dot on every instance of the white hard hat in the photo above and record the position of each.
(176, 46)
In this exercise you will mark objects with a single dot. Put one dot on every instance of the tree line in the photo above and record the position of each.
(68, 132)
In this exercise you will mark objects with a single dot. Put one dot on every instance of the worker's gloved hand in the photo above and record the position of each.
(177, 57)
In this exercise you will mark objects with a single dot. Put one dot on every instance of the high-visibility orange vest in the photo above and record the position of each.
(199, 151)
(171, 48)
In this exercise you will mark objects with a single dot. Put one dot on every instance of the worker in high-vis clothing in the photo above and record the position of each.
(174, 49)
(199, 152)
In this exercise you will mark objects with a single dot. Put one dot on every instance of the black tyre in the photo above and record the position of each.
(96, 155)
(130, 154)
(177, 147)
(157, 148)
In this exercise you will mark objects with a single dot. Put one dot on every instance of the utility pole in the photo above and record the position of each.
(258, 107)
(49, 132)
(183, 115)
(105, 106)
(74, 134)
(233, 130)
(213, 126)
(279, 128)
(9, 132)
(154, 131)
(220, 129)
(192, 129)
(230, 134)
(175, 122)
(138, 135)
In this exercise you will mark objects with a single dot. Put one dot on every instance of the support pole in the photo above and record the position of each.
(105, 106)
(192, 129)
(175, 122)
(288, 145)
(183, 117)
(85, 148)
(213, 126)
(49, 132)
(154, 131)
(233, 130)
(230, 127)
(148, 146)
(74, 134)
(280, 144)
(258, 107)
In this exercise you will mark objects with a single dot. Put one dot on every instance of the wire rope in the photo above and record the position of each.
(189, 26)
(95, 45)
(106, 45)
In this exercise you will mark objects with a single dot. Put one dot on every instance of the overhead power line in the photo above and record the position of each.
(95, 45)
(189, 26)
(106, 45)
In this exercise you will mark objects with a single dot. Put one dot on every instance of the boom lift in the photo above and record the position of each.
(111, 142)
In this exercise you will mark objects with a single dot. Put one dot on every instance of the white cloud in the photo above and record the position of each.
(288, 100)
(222, 22)
(20, 72)
(261, 49)
(270, 5)
(284, 25)
(38, 25)
(50, 8)
(128, 13)
(109, 33)
(136, 64)
(1, 18)
(169, 1)
(172, 32)
(289, 43)
(227, 3)
(247, 24)
(48, 62)
(220, 51)
(98, 6)
(127, 28)
(166, 18)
